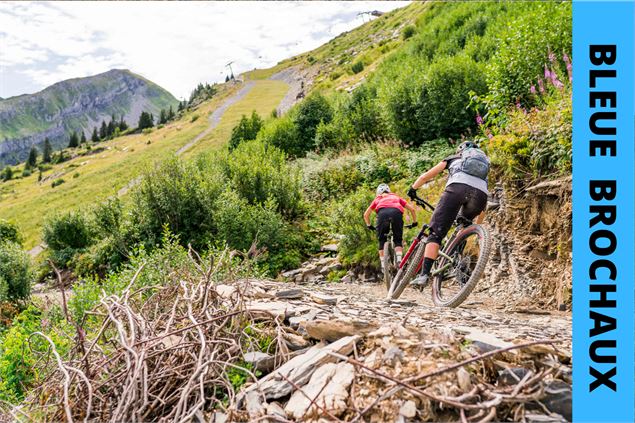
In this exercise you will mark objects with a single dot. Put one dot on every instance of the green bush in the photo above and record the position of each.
(259, 172)
(67, 234)
(9, 232)
(359, 245)
(408, 32)
(57, 182)
(523, 52)
(246, 130)
(180, 195)
(363, 111)
(535, 143)
(437, 105)
(16, 274)
(282, 133)
(357, 67)
(17, 362)
(313, 110)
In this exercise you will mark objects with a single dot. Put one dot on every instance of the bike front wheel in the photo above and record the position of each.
(464, 260)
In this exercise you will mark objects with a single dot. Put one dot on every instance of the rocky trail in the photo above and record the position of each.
(368, 346)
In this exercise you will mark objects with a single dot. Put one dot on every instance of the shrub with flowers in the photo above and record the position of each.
(536, 142)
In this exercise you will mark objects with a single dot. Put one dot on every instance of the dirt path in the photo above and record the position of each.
(215, 117)
(214, 120)
(480, 315)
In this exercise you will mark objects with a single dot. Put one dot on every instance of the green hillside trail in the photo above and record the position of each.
(215, 117)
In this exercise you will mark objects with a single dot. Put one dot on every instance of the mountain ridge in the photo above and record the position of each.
(77, 104)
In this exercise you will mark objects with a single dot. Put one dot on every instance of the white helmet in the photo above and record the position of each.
(382, 188)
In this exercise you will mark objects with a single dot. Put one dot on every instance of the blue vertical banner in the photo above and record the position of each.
(603, 211)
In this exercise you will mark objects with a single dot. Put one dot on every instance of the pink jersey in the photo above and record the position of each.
(386, 201)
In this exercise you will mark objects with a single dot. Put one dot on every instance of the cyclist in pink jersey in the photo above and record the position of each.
(389, 208)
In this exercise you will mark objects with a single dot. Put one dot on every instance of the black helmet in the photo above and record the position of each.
(466, 144)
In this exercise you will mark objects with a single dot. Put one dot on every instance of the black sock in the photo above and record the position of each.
(427, 265)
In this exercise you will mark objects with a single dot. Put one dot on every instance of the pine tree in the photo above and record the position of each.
(145, 121)
(31, 162)
(181, 107)
(83, 139)
(103, 131)
(95, 136)
(226, 78)
(170, 114)
(47, 152)
(110, 129)
(7, 174)
(163, 117)
(73, 140)
(122, 124)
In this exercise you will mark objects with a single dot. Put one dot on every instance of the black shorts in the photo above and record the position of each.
(457, 199)
(387, 218)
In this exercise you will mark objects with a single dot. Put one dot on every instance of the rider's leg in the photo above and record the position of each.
(396, 222)
(383, 227)
(444, 215)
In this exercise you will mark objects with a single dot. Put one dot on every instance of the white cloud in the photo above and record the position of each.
(175, 44)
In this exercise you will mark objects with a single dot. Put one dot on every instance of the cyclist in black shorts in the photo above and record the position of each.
(465, 193)
(389, 208)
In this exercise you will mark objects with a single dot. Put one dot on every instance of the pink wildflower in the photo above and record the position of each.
(570, 71)
(547, 73)
(541, 86)
(566, 58)
(479, 119)
(552, 57)
(532, 89)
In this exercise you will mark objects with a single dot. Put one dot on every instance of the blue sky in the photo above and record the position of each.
(175, 44)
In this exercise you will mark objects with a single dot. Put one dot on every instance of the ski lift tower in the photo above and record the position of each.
(231, 72)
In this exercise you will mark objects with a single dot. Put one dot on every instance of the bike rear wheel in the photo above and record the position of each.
(469, 252)
(390, 263)
(407, 272)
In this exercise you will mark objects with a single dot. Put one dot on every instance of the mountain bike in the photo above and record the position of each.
(390, 257)
(461, 262)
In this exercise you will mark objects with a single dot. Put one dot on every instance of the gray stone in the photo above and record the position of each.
(261, 361)
(291, 273)
(511, 376)
(331, 330)
(558, 398)
(323, 299)
(327, 387)
(464, 379)
(330, 248)
(299, 369)
(393, 355)
(290, 294)
(408, 409)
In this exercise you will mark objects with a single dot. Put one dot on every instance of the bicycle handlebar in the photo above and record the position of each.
(423, 203)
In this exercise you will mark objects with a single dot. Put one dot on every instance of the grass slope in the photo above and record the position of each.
(28, 203)
(264, 97)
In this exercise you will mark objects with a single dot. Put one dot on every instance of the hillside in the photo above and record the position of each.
(79, 104)
(29, 202)
(217, 267)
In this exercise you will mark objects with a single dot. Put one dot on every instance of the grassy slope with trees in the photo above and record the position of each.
(310, 173)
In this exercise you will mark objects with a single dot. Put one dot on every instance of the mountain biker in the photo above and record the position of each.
(389, 208)
(465, 193)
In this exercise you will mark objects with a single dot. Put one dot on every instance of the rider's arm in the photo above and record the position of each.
(367, 216)
(413, 212)
(430, 174)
